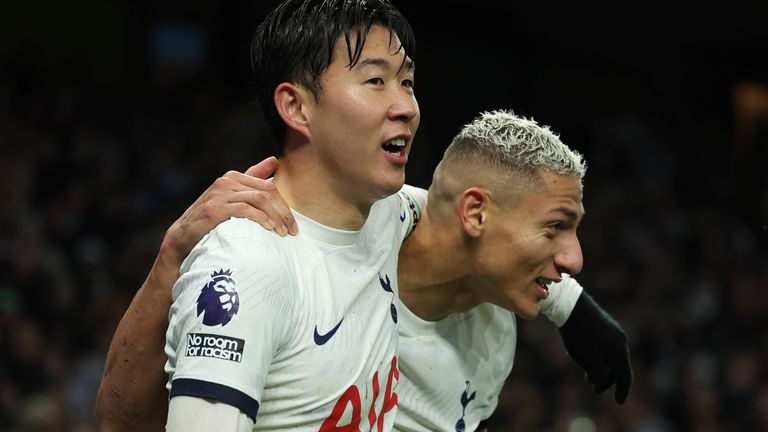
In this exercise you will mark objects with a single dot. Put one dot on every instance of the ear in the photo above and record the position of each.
(291, 103)
(474, 206)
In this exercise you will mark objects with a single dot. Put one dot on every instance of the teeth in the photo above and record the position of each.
(395, 146)
(543, 283)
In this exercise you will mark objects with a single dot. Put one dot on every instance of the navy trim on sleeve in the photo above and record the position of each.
(221, 393)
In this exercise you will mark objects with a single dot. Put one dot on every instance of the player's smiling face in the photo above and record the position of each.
(366, 117)
(535, 242)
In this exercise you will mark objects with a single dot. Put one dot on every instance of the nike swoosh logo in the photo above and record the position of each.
(322, 339)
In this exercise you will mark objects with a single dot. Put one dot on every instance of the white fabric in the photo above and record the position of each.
(190, 414)
(292, 291)
(453, 370)
(296, 382)
(561, 300)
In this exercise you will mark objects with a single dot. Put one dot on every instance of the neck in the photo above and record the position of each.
(434, 284)
(318, 195)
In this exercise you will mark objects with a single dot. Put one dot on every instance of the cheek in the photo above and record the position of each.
(356, 108)
(506, 265)
(535, 252)
(521, 255)
(346, 123)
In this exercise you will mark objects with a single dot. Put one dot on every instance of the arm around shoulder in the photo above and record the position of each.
(132, 393)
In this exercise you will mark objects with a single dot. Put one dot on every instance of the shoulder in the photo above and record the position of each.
(415, 196)
(239, 239)
(403, 209)
(239, 273)
(245, 230)
(248, 253)
(413, 201)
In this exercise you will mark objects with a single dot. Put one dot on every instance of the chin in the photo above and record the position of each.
(391, 186)
(528, 312)
(529, 316)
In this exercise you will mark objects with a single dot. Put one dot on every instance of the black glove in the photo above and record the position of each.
(598, 344)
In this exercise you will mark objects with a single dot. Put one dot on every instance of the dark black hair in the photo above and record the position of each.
(295, 44)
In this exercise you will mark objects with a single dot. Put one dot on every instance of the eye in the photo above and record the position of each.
(376, 81)
(555, 226)
(407, 83)
(551, 230)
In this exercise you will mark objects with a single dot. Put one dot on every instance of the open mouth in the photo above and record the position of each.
(394, 147)
(543, 283)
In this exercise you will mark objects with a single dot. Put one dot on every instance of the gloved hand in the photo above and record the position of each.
(598, 344)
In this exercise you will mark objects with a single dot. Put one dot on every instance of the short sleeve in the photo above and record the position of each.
(228, 317)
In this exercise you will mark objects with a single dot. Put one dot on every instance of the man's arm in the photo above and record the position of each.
(595, 341)
(132, 393)
(598, 344)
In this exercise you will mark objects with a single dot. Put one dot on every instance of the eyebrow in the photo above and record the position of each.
(409, 64)
(568, 212)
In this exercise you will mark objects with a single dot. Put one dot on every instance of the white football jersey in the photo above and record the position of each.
(297, 332)
(453, 370)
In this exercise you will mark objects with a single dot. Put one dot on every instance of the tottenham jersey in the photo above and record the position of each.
(297, 332)
(453, 370)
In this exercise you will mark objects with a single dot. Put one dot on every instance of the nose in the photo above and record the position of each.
(404, 106)
(569, 259)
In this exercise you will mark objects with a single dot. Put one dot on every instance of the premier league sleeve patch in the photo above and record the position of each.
(218, 301)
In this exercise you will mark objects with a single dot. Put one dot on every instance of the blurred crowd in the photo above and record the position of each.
(675, 248)
(89, 181)
(675, 243)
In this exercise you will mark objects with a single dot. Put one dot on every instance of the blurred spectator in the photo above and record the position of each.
(94, 166)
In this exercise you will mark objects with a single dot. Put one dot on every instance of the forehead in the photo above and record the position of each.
(559, 195)
(380, 43)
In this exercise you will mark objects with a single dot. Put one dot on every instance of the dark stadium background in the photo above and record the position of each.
(114, 116)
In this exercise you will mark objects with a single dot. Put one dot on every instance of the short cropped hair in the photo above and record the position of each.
(508, 140)
(503, 151)
(296, 40)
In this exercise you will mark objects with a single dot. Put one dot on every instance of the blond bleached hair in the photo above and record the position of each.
(515, 142)
(505, 153)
